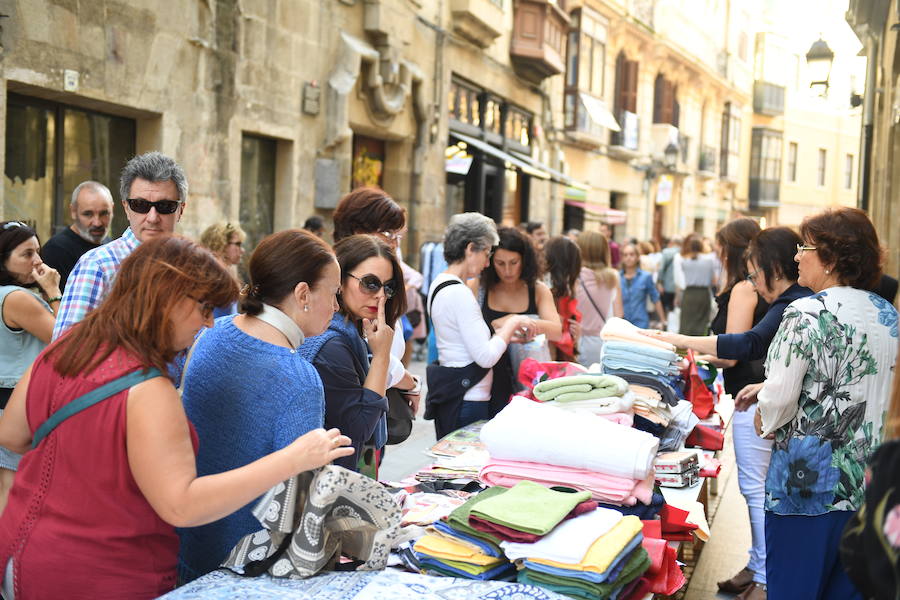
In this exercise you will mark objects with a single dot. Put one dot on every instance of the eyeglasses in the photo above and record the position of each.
(752, 277)
(206, 309)
(393, 236)
(801, 248)
(370, 284)
(163, 207)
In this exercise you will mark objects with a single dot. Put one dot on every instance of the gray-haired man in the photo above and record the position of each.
(153, 191)
(91, 208)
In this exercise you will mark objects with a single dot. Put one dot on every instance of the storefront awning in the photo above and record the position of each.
(598, 112)
(557, 176)
(501, 155)
(610, 215)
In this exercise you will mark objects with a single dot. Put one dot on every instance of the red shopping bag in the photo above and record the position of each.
(532, 372)
(695, 389)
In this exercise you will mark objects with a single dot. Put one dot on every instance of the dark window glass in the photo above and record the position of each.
(257, 188)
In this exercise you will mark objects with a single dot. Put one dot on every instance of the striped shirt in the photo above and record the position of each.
(91, 280)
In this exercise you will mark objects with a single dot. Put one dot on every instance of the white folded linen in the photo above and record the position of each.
(569, 541)
(533, 432)
(598, 406)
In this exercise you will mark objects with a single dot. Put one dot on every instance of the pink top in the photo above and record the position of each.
(587, 288)
(77, 525)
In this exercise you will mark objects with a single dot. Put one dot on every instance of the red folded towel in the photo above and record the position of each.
(675, 526)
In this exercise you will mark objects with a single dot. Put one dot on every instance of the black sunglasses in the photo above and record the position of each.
(163, 207)
(370, 284)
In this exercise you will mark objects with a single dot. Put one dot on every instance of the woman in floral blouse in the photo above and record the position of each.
(828, 378)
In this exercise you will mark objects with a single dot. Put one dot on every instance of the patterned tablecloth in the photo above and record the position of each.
(389, 584)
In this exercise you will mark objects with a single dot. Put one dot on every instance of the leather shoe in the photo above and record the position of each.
(756, 591)
(737, 584)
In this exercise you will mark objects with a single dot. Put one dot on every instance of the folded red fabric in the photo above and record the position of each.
(656, 550)
(514, 535)
(669, 578)
(706, 438)
(652, 529)
(674, 521)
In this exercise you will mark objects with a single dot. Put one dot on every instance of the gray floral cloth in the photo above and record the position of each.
(828, 381)
(326, 513)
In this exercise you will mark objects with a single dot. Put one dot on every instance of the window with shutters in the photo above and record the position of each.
(625, 103)
(665, 105)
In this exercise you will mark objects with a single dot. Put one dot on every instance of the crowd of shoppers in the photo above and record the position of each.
(299, 369)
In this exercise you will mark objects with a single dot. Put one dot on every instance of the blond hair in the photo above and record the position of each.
(216, 237)
(595, 256)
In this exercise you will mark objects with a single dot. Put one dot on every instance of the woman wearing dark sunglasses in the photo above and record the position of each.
(353, 355)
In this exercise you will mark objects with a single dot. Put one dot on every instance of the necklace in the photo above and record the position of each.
(283, 323)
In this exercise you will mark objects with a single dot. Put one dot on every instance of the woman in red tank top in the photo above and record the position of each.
(93, 507)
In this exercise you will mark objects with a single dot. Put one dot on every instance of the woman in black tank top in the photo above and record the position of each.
(507, 287)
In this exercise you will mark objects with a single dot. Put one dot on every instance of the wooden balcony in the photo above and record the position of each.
(478, 21)
(538, 42)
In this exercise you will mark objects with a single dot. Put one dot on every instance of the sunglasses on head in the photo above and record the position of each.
(163, 207)
(370, 284)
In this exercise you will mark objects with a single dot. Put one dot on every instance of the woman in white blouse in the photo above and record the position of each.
(459, 384)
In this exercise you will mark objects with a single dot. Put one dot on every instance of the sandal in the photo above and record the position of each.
(737, 584)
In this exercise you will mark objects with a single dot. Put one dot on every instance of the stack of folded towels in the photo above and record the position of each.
(597, 394)
(467, 543)
(532, 441)
(454, 549)
(595, 555)
(626, 350)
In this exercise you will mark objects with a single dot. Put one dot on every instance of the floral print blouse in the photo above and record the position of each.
(828, 381)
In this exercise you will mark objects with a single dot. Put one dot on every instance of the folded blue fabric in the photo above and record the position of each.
(610, 574)
(640, 350)
(432, 563)
(486, 547)
(645, 512)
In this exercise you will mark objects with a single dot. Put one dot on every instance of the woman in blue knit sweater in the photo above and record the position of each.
(247, 389)
(352, 357)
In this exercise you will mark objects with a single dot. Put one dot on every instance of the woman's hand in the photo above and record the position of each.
(412, 395)
(517, 328)
(575, 330)
(48, 278)
(318, 448)
(665, 336)
(379, 334)
(747, 397)
(757, 423)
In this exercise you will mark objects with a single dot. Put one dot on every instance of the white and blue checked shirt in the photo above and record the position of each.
(91, 280)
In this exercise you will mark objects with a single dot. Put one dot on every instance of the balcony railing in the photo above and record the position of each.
(764, 193)
(627, 138)
(768, 98)
(538, 40)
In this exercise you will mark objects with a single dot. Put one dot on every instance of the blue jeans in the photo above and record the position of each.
(470, 412)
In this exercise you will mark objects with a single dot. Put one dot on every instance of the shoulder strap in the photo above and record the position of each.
(187, 360)
(440, 286)
(91, 398)
(588, 294)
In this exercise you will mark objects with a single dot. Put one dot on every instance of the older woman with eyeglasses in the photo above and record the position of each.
(749, 315)
(828, 379)
(370, 299)
(226, 242)
(459, 383)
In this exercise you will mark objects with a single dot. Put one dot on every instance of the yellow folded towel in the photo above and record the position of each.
(444, 548)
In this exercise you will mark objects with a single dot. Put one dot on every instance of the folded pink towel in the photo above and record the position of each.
(604, 488)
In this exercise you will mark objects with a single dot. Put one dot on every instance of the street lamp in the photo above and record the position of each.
(819, 60)
(671, 155)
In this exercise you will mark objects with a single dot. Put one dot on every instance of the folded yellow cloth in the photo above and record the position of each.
(447, 549)
(604, 550)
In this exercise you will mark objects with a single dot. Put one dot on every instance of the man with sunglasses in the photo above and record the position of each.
(153, 189)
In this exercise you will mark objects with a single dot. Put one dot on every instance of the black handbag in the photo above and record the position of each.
(399, 417)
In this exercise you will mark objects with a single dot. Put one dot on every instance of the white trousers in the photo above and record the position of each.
(752, 454)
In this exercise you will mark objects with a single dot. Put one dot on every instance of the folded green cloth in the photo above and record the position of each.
(529, 507)
(459, 518)
(466, 567)
(551, 394)
(637, 565)
(608, 385)
(593, 394)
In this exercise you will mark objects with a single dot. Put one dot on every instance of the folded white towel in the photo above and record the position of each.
(533, 432)
(569, 541)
